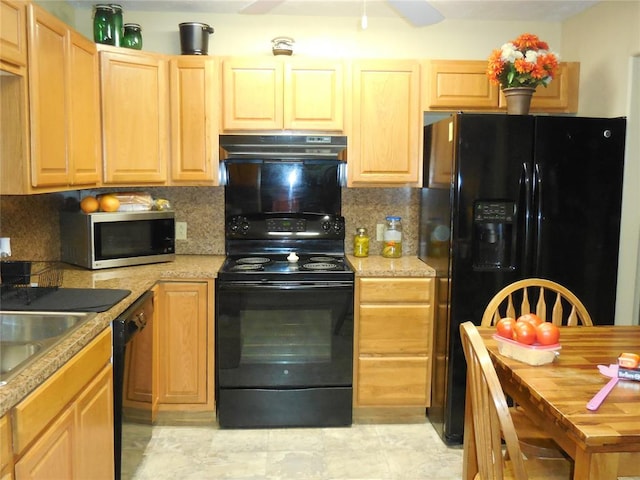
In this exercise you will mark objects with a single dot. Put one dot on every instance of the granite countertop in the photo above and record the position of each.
(378, 266)
(137, 279)
(141, 278)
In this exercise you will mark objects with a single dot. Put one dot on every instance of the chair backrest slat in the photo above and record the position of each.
(541, 307)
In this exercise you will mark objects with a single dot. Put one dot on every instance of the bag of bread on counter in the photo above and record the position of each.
(132, 201)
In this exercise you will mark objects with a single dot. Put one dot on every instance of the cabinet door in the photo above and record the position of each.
(6, 448)
(194, 120)
(460, 84)
(53, 451)
(94, 420)
(252, 94)
(134, 112)
(183, 344)
(48, 99)
(314, 95)
(13, 32)
(140, 369)
(386, 142)
(15, 177)
(84, 135)
(561, 95)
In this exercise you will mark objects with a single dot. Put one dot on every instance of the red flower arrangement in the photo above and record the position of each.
(525, 62)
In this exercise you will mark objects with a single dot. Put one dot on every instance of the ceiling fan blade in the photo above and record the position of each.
(417, 12)
(261, 6)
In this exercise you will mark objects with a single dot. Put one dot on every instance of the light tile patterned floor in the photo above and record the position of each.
(360, 452)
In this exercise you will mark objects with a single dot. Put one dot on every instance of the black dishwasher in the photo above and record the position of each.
(133, 409)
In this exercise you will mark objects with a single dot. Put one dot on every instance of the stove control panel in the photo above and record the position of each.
(299, 225)
(286, 224)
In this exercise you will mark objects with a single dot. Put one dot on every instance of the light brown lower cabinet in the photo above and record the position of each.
(6, 452)
(394, 328)
(185, 346)
(66, 425)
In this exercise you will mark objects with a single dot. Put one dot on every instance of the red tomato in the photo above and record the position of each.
(532, 318)
(524, 332)
(505, 326)
(547, 334)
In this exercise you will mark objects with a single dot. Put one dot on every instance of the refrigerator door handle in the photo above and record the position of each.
(526, 180)
(537, 192)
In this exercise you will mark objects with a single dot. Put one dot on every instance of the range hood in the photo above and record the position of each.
(282, 146)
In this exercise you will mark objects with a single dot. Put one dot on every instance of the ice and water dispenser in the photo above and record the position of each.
(494, 235)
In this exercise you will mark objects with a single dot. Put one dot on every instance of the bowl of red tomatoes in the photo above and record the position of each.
(528, 339)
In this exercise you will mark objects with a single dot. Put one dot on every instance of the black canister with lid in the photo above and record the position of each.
(194, 38)
(132, 36)
(102, 22)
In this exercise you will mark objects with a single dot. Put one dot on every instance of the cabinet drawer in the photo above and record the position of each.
(33, 414)
(404, 329)
(395, 290)
(393, 381)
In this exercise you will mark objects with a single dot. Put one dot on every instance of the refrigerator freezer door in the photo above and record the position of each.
(487, 211)
(578, 197)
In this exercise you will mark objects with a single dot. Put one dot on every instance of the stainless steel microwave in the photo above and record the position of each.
(117, 239)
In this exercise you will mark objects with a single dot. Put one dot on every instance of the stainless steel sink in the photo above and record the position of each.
(13, 354)
(24, 336)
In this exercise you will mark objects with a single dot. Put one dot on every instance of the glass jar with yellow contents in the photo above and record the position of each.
(361, 243)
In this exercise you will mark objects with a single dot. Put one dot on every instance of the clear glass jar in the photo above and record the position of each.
(392, 247)
(132, 36)
(102, 21)
(117, 26)
(361, 243)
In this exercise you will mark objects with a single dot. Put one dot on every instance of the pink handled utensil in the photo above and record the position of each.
(599, 397)
(610, 371)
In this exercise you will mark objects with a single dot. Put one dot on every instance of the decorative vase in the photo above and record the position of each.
(518, 99)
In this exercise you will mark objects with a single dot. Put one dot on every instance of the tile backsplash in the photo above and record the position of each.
(31, 221)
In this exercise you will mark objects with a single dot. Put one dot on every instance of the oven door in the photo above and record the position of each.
(284, 334)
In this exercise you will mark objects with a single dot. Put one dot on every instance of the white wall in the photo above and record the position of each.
(332, 37)
(606, 41)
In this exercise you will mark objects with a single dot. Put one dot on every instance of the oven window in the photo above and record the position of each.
(262, 186)
(291, 337)
(277, 336)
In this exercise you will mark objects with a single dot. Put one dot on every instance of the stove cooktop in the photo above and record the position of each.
(309, 266)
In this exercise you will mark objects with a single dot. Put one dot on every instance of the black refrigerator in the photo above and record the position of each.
(507, 197)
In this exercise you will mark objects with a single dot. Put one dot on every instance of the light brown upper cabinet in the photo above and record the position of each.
(64, 104)
(15, 174)
(560, 96)
(463, 85)
(13, 32)
(456, 84)
(194, 120)
(135, 116)
(385, 144)
(277, 93)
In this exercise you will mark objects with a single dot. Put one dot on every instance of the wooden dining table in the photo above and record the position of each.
(604, 443)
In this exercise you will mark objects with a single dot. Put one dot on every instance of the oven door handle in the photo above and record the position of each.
(276, 285)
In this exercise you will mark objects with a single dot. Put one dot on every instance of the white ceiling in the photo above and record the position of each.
(417, 12)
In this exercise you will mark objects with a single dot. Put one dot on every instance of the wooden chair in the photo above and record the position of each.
(564, 308)
(489, 417)
(539, 290)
